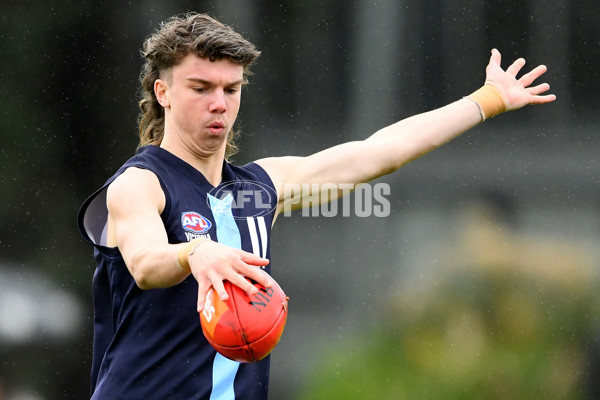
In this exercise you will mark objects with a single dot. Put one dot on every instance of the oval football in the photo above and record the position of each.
(245, 328)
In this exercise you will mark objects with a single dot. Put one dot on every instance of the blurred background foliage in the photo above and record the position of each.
(380, 307)
(509, 317)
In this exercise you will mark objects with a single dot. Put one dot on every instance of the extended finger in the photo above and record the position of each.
(543, 99)
(203, 290)
(244, 284)
(253, 259)
(532, 75)
(261, 276)
(253, 272)
(220, 289)
(495, 58)
(541, 88)
(515, 67)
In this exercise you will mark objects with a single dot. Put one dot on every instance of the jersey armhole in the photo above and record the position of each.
(93, 215)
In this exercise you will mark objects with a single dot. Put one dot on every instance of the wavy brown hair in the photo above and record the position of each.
(190, 33)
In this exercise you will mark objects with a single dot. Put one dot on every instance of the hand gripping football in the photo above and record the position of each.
(244, 328)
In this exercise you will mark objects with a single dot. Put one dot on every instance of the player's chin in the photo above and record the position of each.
(210, 145)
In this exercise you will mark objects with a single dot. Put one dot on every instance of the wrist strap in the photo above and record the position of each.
(490, 101)
(184, 253)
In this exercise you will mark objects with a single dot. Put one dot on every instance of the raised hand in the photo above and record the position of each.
(517, 92)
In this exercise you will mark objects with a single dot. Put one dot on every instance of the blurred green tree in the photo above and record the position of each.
(507, 317)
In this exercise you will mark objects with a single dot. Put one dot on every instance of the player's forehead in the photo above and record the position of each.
(220, 71)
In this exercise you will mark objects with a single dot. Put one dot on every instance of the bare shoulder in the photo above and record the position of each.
(279, 168)
(135, 188)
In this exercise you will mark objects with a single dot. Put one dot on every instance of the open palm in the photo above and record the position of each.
(517, 92)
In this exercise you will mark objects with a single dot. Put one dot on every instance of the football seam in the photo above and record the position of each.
(237, 316)
(279, 317)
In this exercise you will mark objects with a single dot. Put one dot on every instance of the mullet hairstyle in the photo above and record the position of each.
(190, 33)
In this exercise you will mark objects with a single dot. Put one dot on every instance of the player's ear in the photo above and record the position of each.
(161, 91)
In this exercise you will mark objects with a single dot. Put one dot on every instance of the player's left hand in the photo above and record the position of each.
(517, 92)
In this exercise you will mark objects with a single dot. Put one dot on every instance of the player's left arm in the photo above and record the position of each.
(398, 144)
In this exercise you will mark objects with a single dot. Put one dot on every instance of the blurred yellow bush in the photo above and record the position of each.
(508, 316)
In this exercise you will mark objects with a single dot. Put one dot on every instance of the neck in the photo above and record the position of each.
(210, 164)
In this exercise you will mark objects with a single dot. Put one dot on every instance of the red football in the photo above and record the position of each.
(244, 328)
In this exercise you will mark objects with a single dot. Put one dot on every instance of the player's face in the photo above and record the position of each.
(203, 100)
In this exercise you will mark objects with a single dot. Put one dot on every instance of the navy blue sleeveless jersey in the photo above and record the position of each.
(148, 344)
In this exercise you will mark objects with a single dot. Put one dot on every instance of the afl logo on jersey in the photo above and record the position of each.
(193, 222)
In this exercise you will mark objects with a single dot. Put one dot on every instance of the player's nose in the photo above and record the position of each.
(218, 104)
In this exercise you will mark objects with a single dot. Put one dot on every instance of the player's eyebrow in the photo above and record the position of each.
(209, 83)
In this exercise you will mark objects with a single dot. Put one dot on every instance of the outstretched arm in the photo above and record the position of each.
(394, 146)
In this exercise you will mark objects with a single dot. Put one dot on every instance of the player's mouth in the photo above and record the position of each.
(216, 127)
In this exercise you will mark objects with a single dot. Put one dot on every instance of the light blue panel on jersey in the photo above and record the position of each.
(224, 369)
